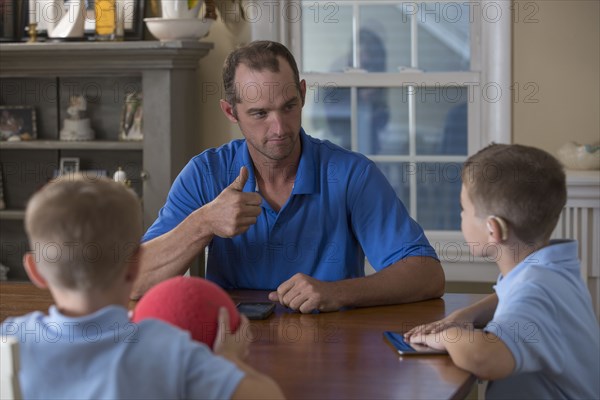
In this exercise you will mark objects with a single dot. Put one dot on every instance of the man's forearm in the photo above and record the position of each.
(408, 280)
(170, 254)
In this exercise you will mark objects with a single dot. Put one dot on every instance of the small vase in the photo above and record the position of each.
(178, 9)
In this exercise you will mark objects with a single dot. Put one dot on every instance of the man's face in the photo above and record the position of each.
(269, 114)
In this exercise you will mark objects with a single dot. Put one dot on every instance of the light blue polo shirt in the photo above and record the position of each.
(105, 356)
(545, 318)
(341, 208)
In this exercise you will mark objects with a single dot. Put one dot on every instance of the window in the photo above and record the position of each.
(415, 86)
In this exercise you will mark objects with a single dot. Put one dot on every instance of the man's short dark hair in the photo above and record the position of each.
(257, 55)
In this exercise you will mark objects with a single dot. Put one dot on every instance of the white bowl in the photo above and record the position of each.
(165, 29)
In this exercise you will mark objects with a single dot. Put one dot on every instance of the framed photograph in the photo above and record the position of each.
(68, 165)
(17, 123)
(133, 15)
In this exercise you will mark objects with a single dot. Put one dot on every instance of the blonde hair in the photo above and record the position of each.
(523, 185)
(83, 232)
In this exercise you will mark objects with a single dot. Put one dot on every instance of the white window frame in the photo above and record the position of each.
(489, 114)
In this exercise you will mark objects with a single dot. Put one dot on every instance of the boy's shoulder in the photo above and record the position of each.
(11, 326)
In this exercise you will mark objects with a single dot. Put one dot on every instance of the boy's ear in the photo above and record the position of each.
(228, 111)
(497, 229)
(32, 271)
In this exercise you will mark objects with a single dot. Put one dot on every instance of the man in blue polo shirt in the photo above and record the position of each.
(283, 211)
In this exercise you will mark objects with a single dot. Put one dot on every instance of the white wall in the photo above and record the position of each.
(215, 129)
(559, 53)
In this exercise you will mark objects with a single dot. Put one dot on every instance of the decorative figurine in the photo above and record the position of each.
(121, 177)
(76, 126)
(131, 118)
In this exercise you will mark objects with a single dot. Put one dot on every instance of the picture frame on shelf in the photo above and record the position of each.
(133, 14)
(68, 165)
(17, 123)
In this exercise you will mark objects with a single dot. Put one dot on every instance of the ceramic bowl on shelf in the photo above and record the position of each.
(165, 29)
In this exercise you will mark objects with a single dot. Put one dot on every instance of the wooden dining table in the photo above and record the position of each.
(338, 355)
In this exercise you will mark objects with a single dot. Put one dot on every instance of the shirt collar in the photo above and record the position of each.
(306, 177)
(561, 252)
(103, 318)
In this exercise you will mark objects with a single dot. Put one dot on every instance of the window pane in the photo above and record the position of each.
(326, 37)
(398, 175)
(384, 38)
(438, 195)
(326, 114)
(441, 120)
(382, 121)
(444, 36)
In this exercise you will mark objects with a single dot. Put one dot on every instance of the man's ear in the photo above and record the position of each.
(228, 111)
(303, 91)
(32, 271)
(497, 229)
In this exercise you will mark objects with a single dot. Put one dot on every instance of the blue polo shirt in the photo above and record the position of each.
(340, 209)
(545, 318)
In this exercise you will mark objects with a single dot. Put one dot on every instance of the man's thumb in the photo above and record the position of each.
(240, 181)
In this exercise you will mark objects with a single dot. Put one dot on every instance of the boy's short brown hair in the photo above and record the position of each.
(524, 185)
(82, 231)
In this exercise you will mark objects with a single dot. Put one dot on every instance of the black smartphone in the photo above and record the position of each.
(405, 349)
(259, 310)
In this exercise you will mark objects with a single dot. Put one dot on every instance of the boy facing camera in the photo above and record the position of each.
(540, 337)
(85, 237)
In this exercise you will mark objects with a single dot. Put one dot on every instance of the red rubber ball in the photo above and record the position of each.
(189, 303)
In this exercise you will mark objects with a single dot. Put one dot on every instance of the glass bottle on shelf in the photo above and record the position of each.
(106, 19)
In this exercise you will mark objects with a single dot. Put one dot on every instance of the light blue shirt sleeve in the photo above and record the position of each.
(527, 326)
(210, 376)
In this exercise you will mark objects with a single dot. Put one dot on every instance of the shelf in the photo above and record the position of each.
(99, 58)
(12, 214)
(68, 145)
(45, 75)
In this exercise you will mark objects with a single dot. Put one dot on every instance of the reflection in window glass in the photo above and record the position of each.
(373, 118)
(326, 114)
(326, 37)
(398, 175)
(443, 36)
(384, 37)
(441, 120)
(438, 195)
(443, 32)
(382, 121)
